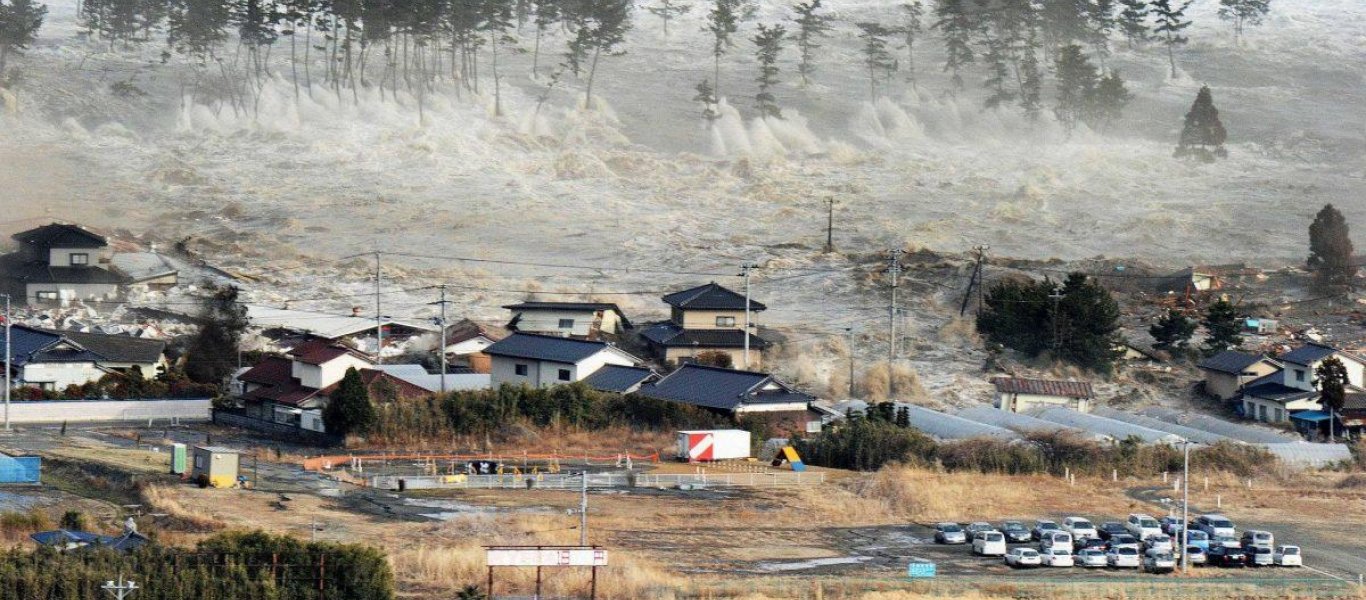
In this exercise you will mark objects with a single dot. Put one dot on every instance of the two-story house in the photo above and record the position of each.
(544, 360)
(59, 263)
(710, 319)
(1273, 398)
(1227, 372)
(583, 320)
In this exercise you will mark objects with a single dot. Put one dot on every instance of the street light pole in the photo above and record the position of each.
(1185, 506)
(120, 590)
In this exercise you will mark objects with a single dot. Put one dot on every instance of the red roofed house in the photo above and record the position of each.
(293, 389)
(1017, 394)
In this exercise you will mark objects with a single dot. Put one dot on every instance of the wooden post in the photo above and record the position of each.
(538, 583)
(490, 582)
(593, 592)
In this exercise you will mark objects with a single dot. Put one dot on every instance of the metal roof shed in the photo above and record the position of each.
(1118, 430)
(949, 427)
(1198, 436)
(1310, 455)
(1020, 423)
(1242, 433)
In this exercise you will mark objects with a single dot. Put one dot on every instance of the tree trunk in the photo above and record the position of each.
(536, 55)
(497, 81)
(592, 72)
(294, 63)
(716, 73)
(1171, 54)
(308, 55)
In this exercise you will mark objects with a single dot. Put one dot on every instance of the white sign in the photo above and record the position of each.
(547, 557)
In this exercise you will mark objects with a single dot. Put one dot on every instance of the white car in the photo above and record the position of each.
(1057, 556)
(1215, 526)
(1159, 542)
(1288, 556)
(1196, 555)
(1143, 526)
(989, 543)
(1156, 561)
(1055, 539)
(1226, 541)
(1258, 539)
(1023, 558)
(1080, 528)
(1092, 557)
(1124, 558)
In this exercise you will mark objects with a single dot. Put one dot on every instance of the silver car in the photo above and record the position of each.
(1260, 556)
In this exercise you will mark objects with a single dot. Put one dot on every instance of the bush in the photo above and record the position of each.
(865, 444)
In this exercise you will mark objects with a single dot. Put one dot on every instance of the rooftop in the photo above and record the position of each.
(618, 379)
(671, 335)
(724, 389)
(1044, 387)
(545, 347)
(1308, 354)
(317, 352)
(119, 348)
(61, 235)
(1230, 361)
(711, 297)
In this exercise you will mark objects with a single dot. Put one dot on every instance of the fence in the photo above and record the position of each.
(323, 463)
(595, 480)
(170, 410)
(20, 469)
(276, 430)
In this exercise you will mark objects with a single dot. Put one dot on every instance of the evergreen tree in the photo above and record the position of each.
(1202, 130)
(768, 44)
(1171, 21)
(349, 410)
(1330, 251)
(1222, 327)
(812, 25)
(211, 355)
(1133, 21)
(1078, 322)
(668, 10)
(707, 96)
(957, 26)
(495, 20)
(1243, 13)
(1101, 16)
(912, 14)
(20, 21)
(1107, 101)
(1331, 379)
(722, 22)
(903, 417)
(1087, 325)
(1172, 332)
(547, 14)
(601, 29)
(996, 58)
(1076, 81)
(876, 58)
(196, 27)
(1065, 22)
(1031, 78)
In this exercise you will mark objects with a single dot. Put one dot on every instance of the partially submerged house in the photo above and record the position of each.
(1019, 394)
(59, 263)
(465, 344)
(289, 326)
(707, 319)
(544, 360)
(582, 320)
(1226, 373)
(53, 360)
(737, 394)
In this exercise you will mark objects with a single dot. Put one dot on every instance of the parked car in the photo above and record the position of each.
(1123, 558)
(1157, 561)
(1079, 527)
(1227, 557)
(1123, 541)
(989, 543)
(1260, 556)
(949, 533)
(975, 528)
(1090, 543)
(1253, 538)
(1142, 526)
(1171, 525)
(1023, 558)
(1111, 528)
(1227, 541)
(1056, 539)
(1016, 532)
(1159, 542)
(1215, 525)
(1092, 557)
(1042, 526)
(1057, 556)
(1288, 556)
(1196, 555)
(1195, 537)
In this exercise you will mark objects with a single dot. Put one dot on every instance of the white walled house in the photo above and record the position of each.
(53, 360)
(583, 320)
(59, 263)
(542, 361)
(1228, 372)
(1017, 394)
(1274, 397)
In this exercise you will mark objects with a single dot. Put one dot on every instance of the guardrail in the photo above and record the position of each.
(595, 480)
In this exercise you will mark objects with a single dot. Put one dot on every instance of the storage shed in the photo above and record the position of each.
(216, 465)
(944, 426)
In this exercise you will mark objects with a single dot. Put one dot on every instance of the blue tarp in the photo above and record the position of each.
(20, 469)
(1311, 416)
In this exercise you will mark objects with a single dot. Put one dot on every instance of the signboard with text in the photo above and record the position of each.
(547, 557)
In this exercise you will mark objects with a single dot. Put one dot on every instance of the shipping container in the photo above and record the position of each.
(713, 444)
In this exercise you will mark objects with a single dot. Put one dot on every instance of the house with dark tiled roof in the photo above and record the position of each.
(735, 393)
(1226, 373)
(707, 319)
(1275, 397)
(546, 360)
(53, 360)
(1019, 394)
(60, 262)
(620, 379)
(583, 320)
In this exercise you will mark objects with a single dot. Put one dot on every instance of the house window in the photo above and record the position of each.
(566, 323)
(1280, 415)
(520, 370)
(1299, 375)
(198, 461)
(564, 374)
(1261, 412)
(725, 321)
(47, 386)
(80, 259)
(46, 296)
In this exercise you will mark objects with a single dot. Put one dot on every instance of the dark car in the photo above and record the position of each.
(1016, 532)
(1119, 540)
(1096, 543)
(1224, 556)
(1110, 528)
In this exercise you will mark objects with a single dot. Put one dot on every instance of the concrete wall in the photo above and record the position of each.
(544, 374)
(1275, 412)
(706, 319)
(1355, 373)
(61, 257)
(737, 356)
(504, 370)
(57, 376)
(71, 291)
(328, 373)
(585, 322)
(1024, 402)
(104, 411)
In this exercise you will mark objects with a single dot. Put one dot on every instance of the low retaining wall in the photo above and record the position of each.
(275, 430)
(162, 411)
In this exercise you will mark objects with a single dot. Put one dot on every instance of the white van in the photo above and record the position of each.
(1258, 539)
(1143, 526)
(989, 543)
(1215, 525)
(1058, 539)
(1080, 528)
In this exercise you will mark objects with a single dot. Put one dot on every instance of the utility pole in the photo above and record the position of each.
(379, 319)
(894, 269)
(441, 338)
(850, 331)
(583, 511)
(1185, 506)
(830, 225)
(744, 272)
(120, 590)
(8, 359)
(977, 280)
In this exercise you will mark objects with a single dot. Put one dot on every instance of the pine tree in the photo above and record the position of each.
(196, 27)
(1202, 130)
(1243, 13)
(20, 21)
(496, 20)
(1171, 21)
(1133, 21)
(547, 14)
(876, 58)
(601, 29)
(1330, 251)
(812, 25)
(707, 96)
(1076, 81)
(1331, 378)
(1087, 325)
(1078, 322)
(1031, 79)
(211, 355)
(1107, 101)
(768, 44)
(912, 14)
(722, 23)
(1172, 332)
(1065, 22)
(996, 58)
(668, 10)
(1101, 15)
(1222, 326)
(349, 410)
(957, 26)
